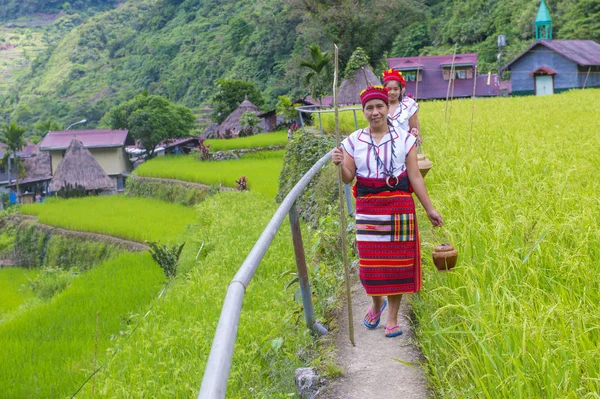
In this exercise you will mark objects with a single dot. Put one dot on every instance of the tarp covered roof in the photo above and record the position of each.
(96, 138)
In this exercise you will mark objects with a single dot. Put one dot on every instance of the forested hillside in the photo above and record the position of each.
(180, 48)
(10, 9)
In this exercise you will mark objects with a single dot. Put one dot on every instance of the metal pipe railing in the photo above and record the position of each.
(216, 373)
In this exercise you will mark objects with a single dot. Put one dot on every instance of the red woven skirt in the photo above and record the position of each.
(388, 243)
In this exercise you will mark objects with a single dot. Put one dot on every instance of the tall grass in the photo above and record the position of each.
(168, 356)
(260, 140)
(518, 317)
(13, 288)
(261, 170)
(137, 219)
(48, 350)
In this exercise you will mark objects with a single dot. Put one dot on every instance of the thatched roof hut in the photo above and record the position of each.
(232, 123)
(349, 92)
(79, 169)
(37, 165)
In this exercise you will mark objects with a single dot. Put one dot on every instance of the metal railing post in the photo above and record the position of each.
(355, 120)
(349, 204)
(301, 120)
(309, 312)
(320, 124)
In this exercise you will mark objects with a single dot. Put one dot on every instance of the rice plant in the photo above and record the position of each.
(518, 317)
(261, 170)
(136, 219)
(168, 355)
(14, 291)
(48, 349)
(278, 138)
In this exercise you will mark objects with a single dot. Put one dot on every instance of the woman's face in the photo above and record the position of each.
(395, 90)
(376, 113)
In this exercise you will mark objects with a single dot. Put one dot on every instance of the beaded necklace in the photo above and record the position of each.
(380, 164)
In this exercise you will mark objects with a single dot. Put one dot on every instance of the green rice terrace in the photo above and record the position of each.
(517, 318)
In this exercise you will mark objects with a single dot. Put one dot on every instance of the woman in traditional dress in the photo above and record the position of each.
(384, 161)
(403, 110)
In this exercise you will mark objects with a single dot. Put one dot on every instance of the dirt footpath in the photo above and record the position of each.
(370, 370)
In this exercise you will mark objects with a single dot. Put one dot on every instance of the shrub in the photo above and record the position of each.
(51, 281)
(167, 257)
(302, 153)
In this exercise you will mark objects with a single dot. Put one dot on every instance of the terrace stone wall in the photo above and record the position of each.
(236, 154)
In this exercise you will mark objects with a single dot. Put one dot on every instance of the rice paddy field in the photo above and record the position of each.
(278, 138)
(518, 317)
(261, 170)
(157, 346)
(48, 348)
(13, 288)
(136, 219)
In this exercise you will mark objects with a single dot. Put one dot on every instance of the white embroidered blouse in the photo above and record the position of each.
(407, 108)
(360, 147)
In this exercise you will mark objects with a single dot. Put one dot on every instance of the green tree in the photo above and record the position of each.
(151, 120)
(48, 125)
(248, 122)
(358, 60)
(14, 138)
(581, 21)
(230, 94)
(318, 66)
(408, 41)
(286, 109)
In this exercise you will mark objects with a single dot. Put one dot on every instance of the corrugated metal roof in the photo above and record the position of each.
(581, 52)
(96, 138)
(433, 84)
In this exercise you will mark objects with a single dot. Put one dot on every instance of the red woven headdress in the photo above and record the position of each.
(374, 93)
(392, 74)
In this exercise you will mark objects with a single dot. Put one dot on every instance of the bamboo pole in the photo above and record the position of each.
(341, 195)
(586, 77)
(450, 82)
(418, 74)
(473, 105)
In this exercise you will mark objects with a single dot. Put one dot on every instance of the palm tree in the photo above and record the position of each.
(318, 66)
(13, 136)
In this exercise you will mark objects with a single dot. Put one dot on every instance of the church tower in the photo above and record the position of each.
(543, 23)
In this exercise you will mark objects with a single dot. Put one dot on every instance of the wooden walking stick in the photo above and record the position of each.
(341, 195)
(449, 83)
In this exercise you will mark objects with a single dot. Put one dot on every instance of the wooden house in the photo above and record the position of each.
(428, 77)
(550, 66)
(36, 165)
(106, 146)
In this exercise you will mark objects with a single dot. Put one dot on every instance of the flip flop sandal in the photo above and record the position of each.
(391, 334)
(374, 316)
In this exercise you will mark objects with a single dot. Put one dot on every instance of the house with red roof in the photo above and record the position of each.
(107, 146)
(438, 76)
